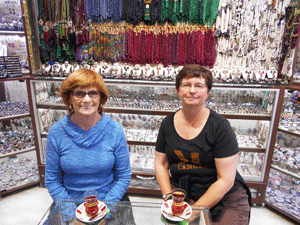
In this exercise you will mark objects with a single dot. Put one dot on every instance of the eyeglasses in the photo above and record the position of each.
(188, 86)
(82, 94)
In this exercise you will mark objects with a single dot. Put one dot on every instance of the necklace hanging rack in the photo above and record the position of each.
(255, 28)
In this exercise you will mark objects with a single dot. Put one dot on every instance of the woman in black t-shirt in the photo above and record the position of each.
(199, 148)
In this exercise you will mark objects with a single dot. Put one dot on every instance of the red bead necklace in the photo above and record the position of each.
(181, 53)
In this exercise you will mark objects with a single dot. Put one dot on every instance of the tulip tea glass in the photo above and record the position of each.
(91, 203)
(178, 196)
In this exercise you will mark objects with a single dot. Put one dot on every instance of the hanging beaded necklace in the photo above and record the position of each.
(164, 11)
(175, 11)
(194, 12)
(147, 9)
(142, 49)
(200, 46)
(157, 55)
(136, 40)
(150, 47)
(173, 48)
(181, 53)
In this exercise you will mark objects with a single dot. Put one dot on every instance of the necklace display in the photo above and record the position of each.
(169, 73)
(97, 67)
(46, 69)
(249, 35)
(137, 72)
(147, 72)
(56, 69)
(84, 64)
(10, 20)
(126, 71)
(246, 35)
(137, 45)
(158, 72)
(66, 69)
(115, 71)
(76, 67)
(105, 68)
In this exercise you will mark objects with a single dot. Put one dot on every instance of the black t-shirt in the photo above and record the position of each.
(196, 157)
(191, 162)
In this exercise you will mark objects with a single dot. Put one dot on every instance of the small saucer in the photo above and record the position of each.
(167, 211)
(82, 216)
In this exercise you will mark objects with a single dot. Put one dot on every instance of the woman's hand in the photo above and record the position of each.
(194, 216)
(195, 213)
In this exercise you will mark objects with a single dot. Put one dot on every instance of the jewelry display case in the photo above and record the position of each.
(282, 192)
(12, 33)
(18, 153)
(141, 107)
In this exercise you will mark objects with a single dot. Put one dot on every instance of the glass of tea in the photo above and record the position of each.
(178, 196)
(91, 202)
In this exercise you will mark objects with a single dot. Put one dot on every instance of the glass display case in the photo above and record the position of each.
(282, 192)
(18, 158)
(140, 109)
(12, 33)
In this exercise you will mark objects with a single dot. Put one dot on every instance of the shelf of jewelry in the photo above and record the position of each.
(250, 165)
(16, 138)
(286, 156)
(5, 118)
(18, 163)
(142, 165)
(18, 171)
(290, 113)
(127, 73)
(113, 71)
(136, 106)
(14, 44)
(282, 193)
(284, 177)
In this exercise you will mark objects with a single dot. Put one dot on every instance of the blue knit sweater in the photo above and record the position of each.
(79, 160)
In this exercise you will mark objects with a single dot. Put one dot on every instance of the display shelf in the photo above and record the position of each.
(285, 130)
(20, 33)
(283, 212)
(144, 181)
(295, 175)
(17, 152)
(18, 170)
(16, 188)
(148, 143)
(155, 112)
(283, 184)
(6, 118)
(282, 193)
(17, 137)
(258, 150)
(21, 79)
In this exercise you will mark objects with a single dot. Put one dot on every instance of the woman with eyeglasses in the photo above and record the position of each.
(197, 150)
(87, 150)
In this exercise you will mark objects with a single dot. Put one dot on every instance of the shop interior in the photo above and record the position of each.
(251, 48)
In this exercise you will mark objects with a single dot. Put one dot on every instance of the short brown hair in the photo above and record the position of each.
(194, 70)
(83, 77)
